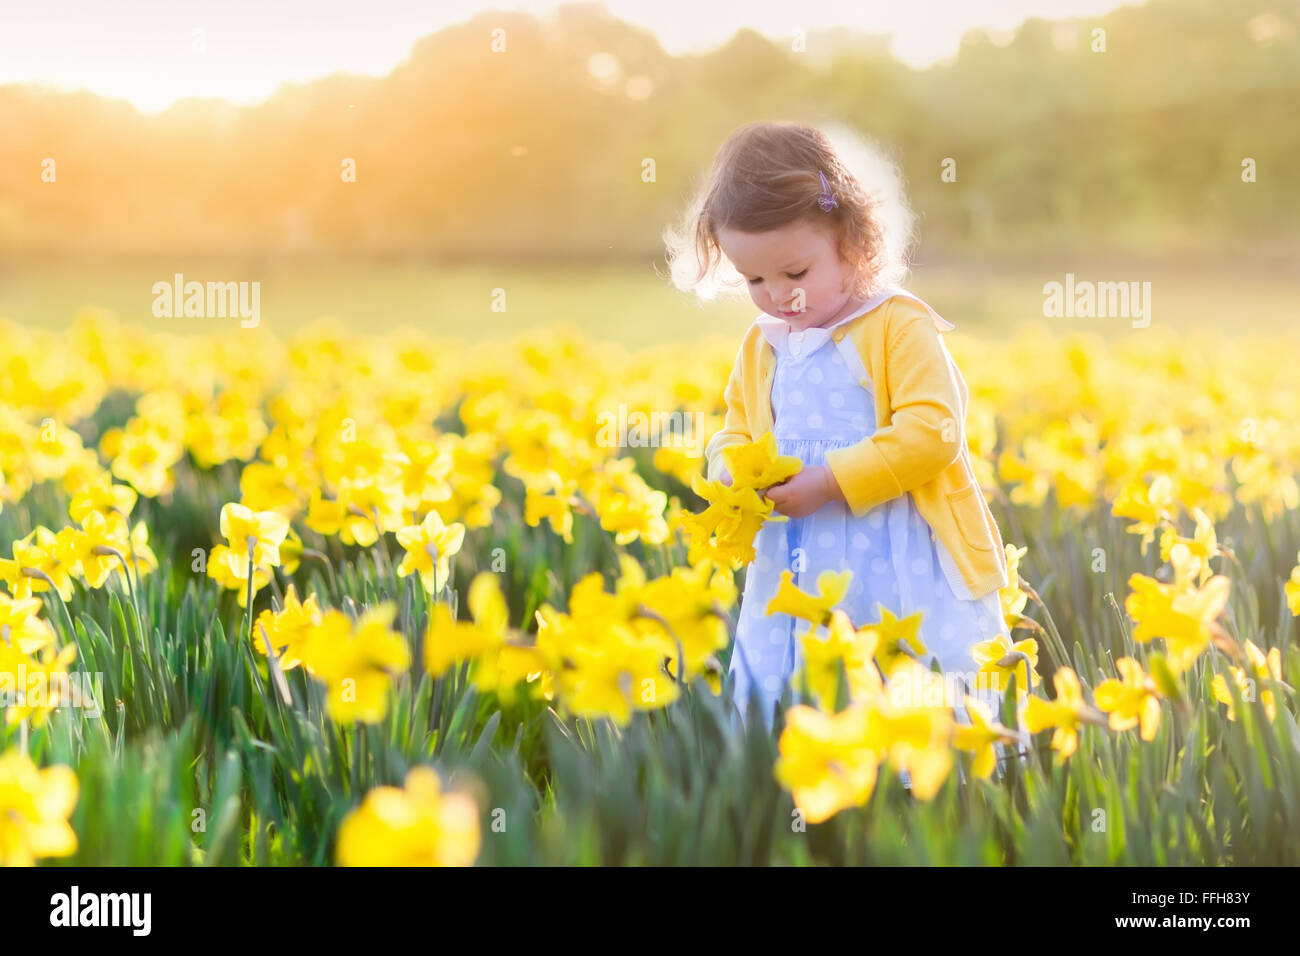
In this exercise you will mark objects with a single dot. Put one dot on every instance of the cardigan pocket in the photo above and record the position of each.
(968, 511)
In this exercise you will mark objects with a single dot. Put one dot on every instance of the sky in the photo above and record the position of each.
(154, 52)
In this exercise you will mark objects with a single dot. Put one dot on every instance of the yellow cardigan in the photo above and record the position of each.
(919, 445)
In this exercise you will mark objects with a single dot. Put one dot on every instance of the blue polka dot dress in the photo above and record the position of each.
(822, 400)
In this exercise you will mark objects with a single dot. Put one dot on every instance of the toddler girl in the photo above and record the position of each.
(850, 373)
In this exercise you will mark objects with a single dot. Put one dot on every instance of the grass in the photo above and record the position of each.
(627, 302)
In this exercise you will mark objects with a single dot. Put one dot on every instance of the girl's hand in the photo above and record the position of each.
(805, 492)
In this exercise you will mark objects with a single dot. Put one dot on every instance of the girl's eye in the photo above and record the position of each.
(792, 275)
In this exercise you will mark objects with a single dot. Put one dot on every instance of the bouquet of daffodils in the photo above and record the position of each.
(724, 532)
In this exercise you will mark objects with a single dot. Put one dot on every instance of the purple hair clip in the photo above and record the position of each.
(827, 198)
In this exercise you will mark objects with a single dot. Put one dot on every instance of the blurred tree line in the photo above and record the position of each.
(538, 151)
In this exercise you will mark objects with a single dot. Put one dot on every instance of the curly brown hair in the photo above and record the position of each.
(765, 177)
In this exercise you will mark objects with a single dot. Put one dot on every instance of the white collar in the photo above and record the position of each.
(777, 331)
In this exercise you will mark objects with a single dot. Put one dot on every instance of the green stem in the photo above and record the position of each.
(248, 607)
(126, 572)
(382, 546)
(1050, 630)
(135, 561)
(38, 573)
(279, 595)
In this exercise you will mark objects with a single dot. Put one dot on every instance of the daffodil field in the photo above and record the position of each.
(342, 598)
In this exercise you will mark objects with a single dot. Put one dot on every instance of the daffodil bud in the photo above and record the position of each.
(1167, 684)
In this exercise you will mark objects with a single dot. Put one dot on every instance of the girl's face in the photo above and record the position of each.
(794, 273)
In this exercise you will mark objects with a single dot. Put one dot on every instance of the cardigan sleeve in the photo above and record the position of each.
(925, 429)
(735, 426)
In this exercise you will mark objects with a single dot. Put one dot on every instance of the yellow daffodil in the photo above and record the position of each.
(626, 675)
(417, 825)
(290, 552)
(1182, 616)
(757, 465)
(1149, 506)
(429, 547)
(96, 550)
(842, 643)
(113, 501)
(219, 567)
(521, 664)
(35, 806)
(912, 723)
(229, 427)
(473, 495)
(253, 536)
(1065, 713)
(139, 555)
(21, 625)
(814, 608)
(356, 664)
(692, 604)
(898, 639)
(367, 506)
(605, 663)
(827, 761)
(1012, 597)
(327, 517)
(288, 629)
(672, 458)
(423, 468)
(724, 531)
(497, 664)
(1190, 557)
(631, 509)
(1029, 486)
(276, 487)
(980, 737)
(38, 555)
(996, 658)
(46, 679)
(1292, 589)
(1132, 700)
(557, 508)
(1263, 670)
(143, 455)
